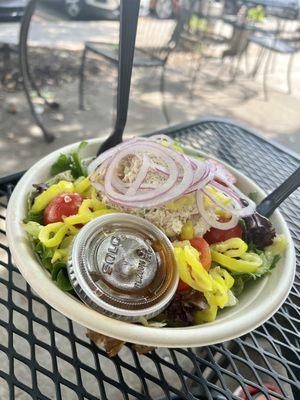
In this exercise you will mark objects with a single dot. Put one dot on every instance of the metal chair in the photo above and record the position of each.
(147, 54)
(280, 41)
(28, 81)
(10, 11)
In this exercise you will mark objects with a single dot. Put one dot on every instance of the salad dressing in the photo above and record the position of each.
(123, 266)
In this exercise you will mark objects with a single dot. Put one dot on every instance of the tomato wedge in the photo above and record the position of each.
(203, 247)
(215, 235)
(62, 206)
(182, 286)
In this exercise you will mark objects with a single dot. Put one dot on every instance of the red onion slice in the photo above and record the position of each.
(235, 194)
(168, 184)
(209, 218)
(161, 138)
(140, 176)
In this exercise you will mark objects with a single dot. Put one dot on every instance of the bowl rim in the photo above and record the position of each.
(193, 336)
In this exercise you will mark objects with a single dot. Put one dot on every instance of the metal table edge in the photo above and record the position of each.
(242, 125)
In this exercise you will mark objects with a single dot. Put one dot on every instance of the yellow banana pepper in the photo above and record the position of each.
(44, 199)
(197, 272)
(186, 200)
(62, 253)
(52, 235)
(215, 284)
(234, 247)
(222, 282)
(206, 315)
(85, 218)
(191, 270)
(247, 263)
(82, 184)
(187, 231)
(221, 272)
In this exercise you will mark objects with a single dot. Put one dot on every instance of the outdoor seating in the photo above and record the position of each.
(147, 56)
(281, 41)
(10, 11)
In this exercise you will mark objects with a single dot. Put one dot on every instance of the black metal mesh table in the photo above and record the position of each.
(43, 355)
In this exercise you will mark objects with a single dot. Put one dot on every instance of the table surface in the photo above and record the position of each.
(43, 355)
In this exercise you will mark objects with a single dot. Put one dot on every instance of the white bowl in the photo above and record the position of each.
(258, 302)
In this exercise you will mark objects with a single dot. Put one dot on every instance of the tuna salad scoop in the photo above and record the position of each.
(152, 178)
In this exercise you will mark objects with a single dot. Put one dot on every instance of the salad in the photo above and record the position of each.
(220, 243)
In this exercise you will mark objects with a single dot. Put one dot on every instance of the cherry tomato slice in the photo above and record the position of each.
(215, 235)
(203, 247)
(182, 286)
(62, 206)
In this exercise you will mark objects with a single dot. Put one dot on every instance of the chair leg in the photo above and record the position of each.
(266, 70)
(24, 68)
(235, 69)
(289, 71)
(162, 92)
(194, 76)
(273, 66)
(258, 62)
(247, 61)
(81, 80)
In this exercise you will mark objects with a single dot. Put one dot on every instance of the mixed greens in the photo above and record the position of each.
(214, 267)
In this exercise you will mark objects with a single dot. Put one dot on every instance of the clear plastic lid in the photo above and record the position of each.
(123, 266)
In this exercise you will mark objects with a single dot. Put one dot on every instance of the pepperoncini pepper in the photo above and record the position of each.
(224, 253)
(82, 184)
(215, 284)
(190, 268)
(208, 315)
(55, 190)
(63, 252)
(52, 235)
(90, 205)
(85, 218)
(187, 231)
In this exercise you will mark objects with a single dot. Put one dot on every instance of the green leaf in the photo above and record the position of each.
(33, 228)
(77, 167)
(242, 224)
(56, 268)
(82, 145)
(275, 261)
(34, 217)
(62, 164)
(44, 252)
(71, 162)
(268, 263)
(63, 281)
(47, 264)
(253, 196)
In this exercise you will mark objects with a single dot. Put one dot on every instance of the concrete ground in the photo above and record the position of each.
(21, 143)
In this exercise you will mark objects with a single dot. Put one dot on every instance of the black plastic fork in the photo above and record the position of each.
(282, 192)
(127, 35)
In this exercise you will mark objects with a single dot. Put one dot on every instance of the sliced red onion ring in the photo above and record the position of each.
(117, 197)
(111, 152)
(140, 176)
(161, 138)
(167, 191)
(182, 175)
(235, 194)
(209, 218)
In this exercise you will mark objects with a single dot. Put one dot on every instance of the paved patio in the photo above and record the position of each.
(21, 143)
